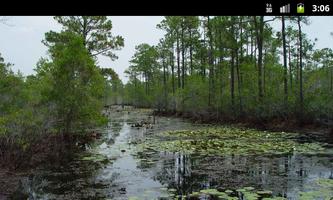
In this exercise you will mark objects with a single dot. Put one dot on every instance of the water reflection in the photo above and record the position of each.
(284, 175)
(146, 174)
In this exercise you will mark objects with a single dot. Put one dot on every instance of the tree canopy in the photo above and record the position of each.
(95, 32)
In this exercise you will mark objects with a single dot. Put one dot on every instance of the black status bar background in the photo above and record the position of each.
(167, 7)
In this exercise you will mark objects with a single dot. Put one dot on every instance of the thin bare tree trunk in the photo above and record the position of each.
(301, 98)
(285, 74)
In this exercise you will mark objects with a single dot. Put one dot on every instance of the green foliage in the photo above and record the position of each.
(68, 92)
(95, 32)
(210, 67)
(12, 98)
(193, 96)
(22, 118)
(77, 86)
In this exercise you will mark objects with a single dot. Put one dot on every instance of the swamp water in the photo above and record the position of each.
(175, 159)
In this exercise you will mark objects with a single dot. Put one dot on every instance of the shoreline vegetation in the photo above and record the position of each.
(216, 70)
(61, 104)
(47, 115)
(274, 124)
(54, 149)
(234, 69)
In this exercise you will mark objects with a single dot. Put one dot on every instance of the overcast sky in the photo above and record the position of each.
(20, 43)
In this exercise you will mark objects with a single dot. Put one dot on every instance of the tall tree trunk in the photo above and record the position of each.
(247, 43)
(290, 67)
(264, 71)
(201, 64)
(135, 91)
(191, 54)
(251, 37)
(147, 83)
(285, 74)
(203, 56)
(232, 79)
(331, 79)
(232, 73)
(211, 62)
(164, 85)
(178, 61)
(172, 71)
(183, 54)
(297, 64)
(259, 34)
(220, 67)
(239, 62)
(301, 101)
(238, 83)
(255, 48)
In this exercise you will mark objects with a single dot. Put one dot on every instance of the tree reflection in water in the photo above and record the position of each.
(284, 175)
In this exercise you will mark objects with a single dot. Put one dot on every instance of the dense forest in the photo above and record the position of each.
(214, 68)
(207, 68)
(65, 97)
(77, 131)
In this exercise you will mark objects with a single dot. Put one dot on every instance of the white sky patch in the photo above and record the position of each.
(21, 44)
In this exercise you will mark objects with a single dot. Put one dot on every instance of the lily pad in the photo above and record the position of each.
(228, 192)
(265, 193)
(194, 194)
(318, 189)
(249, 188)
(231, 141)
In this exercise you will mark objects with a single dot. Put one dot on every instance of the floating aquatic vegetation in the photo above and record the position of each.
(246, 193)
(250, 195)
(214, 192)
(249, 188)
(265, 193)
(325, 183)
(96, 158)
(228, 192)
(227, 141)
(320, 189)
(194, 194)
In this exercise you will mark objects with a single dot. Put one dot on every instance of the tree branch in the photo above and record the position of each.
(102, 51)
(270, 20)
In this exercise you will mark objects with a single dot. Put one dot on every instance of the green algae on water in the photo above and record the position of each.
(319, 189)
(246, 193)
(231, 141)
(96, 158)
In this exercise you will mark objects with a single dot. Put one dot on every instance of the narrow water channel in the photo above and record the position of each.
(128, 172)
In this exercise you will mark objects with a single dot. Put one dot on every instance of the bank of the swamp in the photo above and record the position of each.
(276, 124)
(19, 160)
(137, 157)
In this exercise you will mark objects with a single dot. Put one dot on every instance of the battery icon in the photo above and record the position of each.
(300, 8)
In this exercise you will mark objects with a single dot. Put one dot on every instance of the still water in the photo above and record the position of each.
(121, 170)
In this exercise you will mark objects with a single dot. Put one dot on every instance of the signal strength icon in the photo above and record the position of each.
(285, 9)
